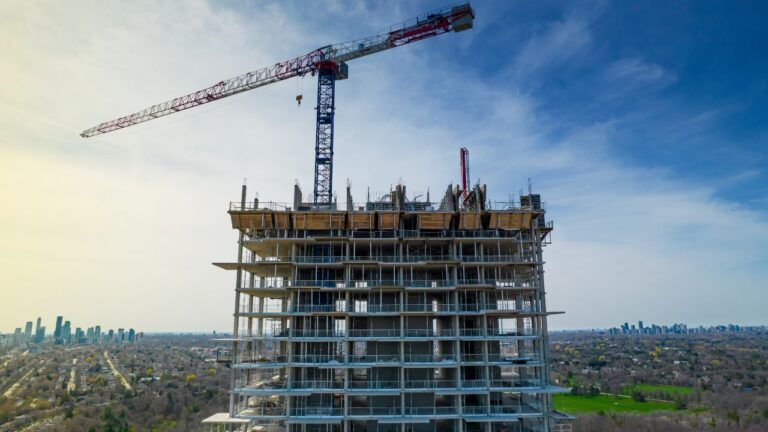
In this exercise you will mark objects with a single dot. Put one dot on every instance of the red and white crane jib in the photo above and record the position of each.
(456, 18)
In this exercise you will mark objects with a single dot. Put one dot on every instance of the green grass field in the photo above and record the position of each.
(588, 404)
(649, 389)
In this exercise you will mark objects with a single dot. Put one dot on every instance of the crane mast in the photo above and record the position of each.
(464, 162)
(329, 64)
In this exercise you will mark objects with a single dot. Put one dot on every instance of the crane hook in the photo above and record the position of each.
(299, 89)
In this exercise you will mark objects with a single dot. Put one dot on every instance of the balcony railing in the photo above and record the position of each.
(497, 410)
(318, 358)
(322, 283)
(316, 385)
(397, 333)
(369, 283)
(410, 283)
(376, 308)
(257, 384)
(430, 384)
(514, 383)
(429, 307)
(340, 307)
(391, 234)
(428, 358)
(475, 358)
(317, 412)
(515, 258)
(472, 282)
(418, 333)
(481, 332)
(270, 385)
(309, 259)
(511, 309)
(374, 411)
(430, 411)
(368, 359)
(381, 358)
(428, 283)
(264, 411)
(393, 258)
(300, 333)
(374, 385)
(378, 333)
(513, 283)
(248, 358)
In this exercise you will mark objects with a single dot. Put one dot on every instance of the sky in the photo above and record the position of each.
(642, 125)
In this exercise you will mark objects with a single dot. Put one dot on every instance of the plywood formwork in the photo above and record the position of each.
(361, 220)
(318, 220)
(259, 219)
(388, 220)
(434, 220)
(470, 220)
(509, 220)
(282, 220)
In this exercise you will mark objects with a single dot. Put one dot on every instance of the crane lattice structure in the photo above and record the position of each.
(329, 64)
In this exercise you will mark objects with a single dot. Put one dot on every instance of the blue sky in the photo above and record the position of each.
(642, 124)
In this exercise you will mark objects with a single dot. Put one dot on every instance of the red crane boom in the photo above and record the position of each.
(456, 18)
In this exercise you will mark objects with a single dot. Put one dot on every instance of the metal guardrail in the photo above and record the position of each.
(396, 234)
(485, 410)
(330, 359)
(386, 308)
(429, 384)
(384, 206)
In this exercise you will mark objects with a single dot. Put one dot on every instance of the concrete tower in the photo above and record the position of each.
(392, 315)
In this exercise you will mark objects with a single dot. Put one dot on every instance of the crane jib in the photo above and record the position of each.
(329, 63)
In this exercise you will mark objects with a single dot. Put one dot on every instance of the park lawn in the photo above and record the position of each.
(649, 389)
(587, 404)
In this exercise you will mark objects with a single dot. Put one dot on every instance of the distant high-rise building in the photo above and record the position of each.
(40, 335)
(640, 325)
(37, 326)
(120, 335)
(57, 330)
(28, 332)
(111, 335)
(131, 335)
(66, 333)
(97, 334)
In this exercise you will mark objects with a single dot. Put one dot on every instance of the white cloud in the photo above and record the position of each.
(635, 69)
(634, 74)
(555, 44)
(130, 221)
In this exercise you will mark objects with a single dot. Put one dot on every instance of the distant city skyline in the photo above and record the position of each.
(62, 334)
(643, 328)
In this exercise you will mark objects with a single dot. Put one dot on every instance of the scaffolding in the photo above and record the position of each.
(391, 315)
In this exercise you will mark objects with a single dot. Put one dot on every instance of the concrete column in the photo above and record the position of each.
(238, 284)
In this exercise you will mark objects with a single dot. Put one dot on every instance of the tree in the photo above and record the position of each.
(638, 397)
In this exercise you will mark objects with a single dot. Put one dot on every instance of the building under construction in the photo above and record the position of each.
(392, 315)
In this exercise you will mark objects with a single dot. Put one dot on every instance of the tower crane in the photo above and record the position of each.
(329, 63)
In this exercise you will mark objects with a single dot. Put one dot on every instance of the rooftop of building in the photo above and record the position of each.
(470, 210)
